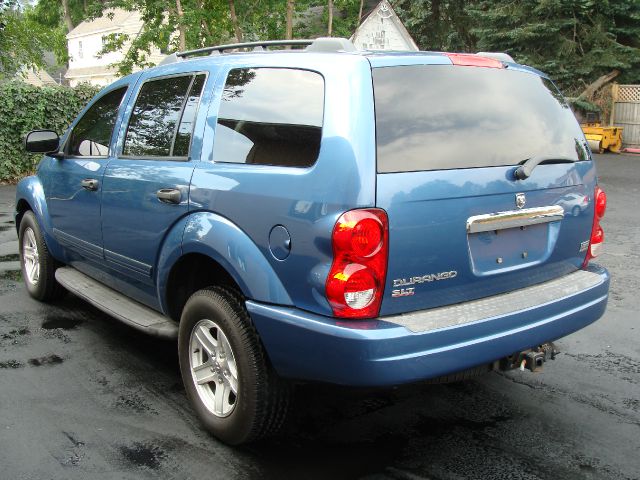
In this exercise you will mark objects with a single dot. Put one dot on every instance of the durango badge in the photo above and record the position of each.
(430, 277)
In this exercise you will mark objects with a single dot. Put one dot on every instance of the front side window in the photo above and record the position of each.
(162, 121)
(92, 134)
(270, 116)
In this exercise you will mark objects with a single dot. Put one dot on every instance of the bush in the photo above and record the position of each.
(24, 107)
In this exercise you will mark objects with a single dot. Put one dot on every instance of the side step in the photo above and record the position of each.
(115, 304)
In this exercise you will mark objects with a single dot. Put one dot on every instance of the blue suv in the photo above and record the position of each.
(322, 214)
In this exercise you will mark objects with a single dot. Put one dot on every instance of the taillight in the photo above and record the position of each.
(597, 233)
(355, 283)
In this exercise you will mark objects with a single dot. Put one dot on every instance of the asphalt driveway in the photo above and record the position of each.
(82, 396)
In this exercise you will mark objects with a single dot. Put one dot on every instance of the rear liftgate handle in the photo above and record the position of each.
(169, 195)
(90, 184)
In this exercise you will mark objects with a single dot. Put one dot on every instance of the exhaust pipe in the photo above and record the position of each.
(532, 359)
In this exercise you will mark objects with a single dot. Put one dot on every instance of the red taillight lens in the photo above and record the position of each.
(597, 233)
(355, 283)
(601, 202)
(363, 237)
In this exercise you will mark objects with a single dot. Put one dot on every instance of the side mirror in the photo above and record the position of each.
(42, 141)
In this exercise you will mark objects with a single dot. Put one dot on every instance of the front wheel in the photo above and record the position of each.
(38, 266)
(234, 391)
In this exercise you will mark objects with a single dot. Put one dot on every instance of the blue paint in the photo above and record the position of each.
(125, 237)
(313, 347)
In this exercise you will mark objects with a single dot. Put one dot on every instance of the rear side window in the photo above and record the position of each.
(270, 116)
(162, 121)
(433, 117)
(92, 134)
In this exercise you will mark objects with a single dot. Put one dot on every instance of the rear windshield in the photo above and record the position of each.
(434, 117)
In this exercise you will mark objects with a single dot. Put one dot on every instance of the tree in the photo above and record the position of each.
(290, 9)
(58, 18)
(439, 25)
(574, 41)
(23, 40)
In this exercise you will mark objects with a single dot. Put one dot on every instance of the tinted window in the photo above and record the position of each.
(156, 116)
(441, 117)
(270, 116)
(185, 129)
(92, 134)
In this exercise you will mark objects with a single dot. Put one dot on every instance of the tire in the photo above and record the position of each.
(216, 336)
(38, 266)
(576, 211)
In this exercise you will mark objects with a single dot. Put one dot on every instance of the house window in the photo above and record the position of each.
(80, 49)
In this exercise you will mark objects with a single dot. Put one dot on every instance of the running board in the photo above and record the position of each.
(115, 304)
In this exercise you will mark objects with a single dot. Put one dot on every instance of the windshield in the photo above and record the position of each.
(434, 117)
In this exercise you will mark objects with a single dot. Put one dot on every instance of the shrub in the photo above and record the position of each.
(24, 107)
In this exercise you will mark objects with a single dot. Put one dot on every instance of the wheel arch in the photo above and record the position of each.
(22, 207)
(30, 196)
(190, 273)
(208, 249)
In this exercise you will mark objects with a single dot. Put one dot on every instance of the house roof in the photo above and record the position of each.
(87, 72)
(385, 10)
(38, 78)
(111, 19)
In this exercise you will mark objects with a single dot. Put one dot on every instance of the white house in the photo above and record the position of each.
(381, 29)
(87, 39)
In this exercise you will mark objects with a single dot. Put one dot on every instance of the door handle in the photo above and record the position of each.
(169, 195)
(90, 184)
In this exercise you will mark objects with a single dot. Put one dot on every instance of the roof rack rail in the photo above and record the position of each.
(323, 44)
(232, 46)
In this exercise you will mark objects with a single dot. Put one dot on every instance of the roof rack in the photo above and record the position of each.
(323, 44)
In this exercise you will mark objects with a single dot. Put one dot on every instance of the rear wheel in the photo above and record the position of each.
(38, 266)
(234, 391)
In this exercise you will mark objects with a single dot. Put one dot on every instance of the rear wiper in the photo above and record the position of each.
(524, 171)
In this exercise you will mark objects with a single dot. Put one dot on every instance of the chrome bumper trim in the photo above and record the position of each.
(497, 305)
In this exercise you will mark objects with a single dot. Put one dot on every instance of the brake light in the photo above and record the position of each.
(471, 60)
(355, 283)
(597, 233)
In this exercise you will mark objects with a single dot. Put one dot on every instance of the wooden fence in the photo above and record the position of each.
(626, 113)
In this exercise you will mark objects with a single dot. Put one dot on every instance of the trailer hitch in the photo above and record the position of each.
(532, 359)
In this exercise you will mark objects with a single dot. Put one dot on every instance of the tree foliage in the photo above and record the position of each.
(23, 39)
(440, 25)
(574, 41)
(23, 108)
(173, 25)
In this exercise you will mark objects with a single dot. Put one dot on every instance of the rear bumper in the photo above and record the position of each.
(385, 351)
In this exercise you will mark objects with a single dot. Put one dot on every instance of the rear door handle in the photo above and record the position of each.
(90, 184)
(169, 195)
